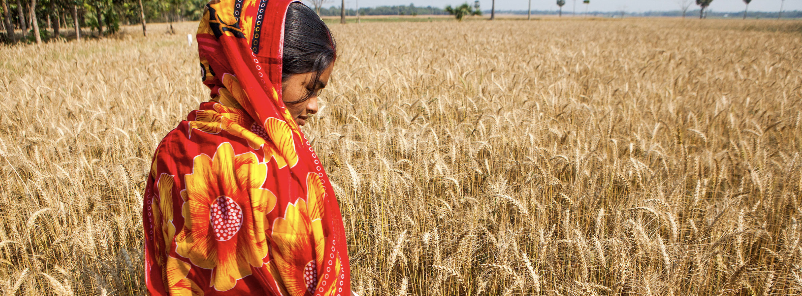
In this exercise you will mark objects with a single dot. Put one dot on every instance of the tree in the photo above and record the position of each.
(173, 7)
(574, 12)
(57, 24)
(317, 4)
(142, 13)
(35, 23)
(587, 4)
(461, 11)
(780, 15)
(703, 4)
(75, 19)
(98, 15)
(21, 16)
(7, 21)
(747, 7)
(684, 5)
(493, 11)
(342, 13)
(529, 11)
(560, 3)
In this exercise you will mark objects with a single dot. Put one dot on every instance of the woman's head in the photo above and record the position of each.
(307, 60)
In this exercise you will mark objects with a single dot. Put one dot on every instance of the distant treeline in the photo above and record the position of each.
(385, 10)
(98, 16)
(676, 13)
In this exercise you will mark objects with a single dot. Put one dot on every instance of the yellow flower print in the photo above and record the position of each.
(299, 240)
(282, 137)
(225, 208)
(162, 211)
(177, 282)
(224, 9)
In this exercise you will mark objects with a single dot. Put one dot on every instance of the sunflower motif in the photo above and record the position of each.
(224, 215)
(218, 119)
(281, 134)
(224, 10)
(299, 241)
(162, 213)
(177, 281)
(235, 91)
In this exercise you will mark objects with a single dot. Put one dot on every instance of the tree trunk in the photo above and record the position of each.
(702, 12)
(746, 9)
(561, 11)
(28, 15)
(342, 13)
(170, 19)
(75, 19)
(683, 13)
(574, 12)
(780, 15)
(21, 16)
(99, 17)
(7, 21)
(142, 12)
(493, 11)
(529, 11)
(35, 23)
(57, 23)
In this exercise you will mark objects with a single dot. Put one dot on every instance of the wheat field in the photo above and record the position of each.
(550, 157)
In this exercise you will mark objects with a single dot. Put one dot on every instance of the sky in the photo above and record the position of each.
(595, 5)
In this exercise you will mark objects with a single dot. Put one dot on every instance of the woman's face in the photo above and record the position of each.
(299, 86)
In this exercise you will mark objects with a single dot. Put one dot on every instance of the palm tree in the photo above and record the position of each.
(560, 3)
(704, 4)
(747, 7)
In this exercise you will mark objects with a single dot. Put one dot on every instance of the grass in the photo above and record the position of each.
(637, 156)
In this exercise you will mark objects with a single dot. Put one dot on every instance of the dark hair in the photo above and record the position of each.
(308, 44)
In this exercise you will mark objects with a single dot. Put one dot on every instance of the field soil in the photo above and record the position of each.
(557, 156)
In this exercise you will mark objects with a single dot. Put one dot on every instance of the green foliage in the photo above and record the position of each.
(194, 9)
(44, 34)
(704, 3)
(560, 3)
(463, 10)
(112, 21)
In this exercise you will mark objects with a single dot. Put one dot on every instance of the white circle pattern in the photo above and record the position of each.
(225, 216)
(310, 276)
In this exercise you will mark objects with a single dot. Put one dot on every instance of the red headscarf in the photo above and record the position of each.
(237, 202)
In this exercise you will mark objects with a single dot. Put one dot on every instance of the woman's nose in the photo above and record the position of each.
(312, 107)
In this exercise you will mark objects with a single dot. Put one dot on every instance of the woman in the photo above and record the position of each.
(237, 202)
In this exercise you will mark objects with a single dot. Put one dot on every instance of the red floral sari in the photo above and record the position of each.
(237, 202)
